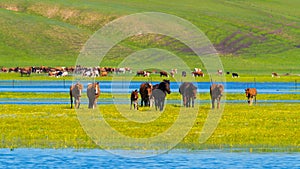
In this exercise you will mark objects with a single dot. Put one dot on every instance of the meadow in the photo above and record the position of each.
(267, 127)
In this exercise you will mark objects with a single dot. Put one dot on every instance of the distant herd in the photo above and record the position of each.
(105, 71)
(154, 95)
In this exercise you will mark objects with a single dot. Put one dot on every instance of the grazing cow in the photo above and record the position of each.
(189, 93)
(159, 94)
(25, 71)
(134, 100)
(274, 74)
(199, 74)
(163, 73)
(234, 75)
(93, 92)
(103, 73)
(250, 94)
(220, 72)
(75, 91)
(4, 69)
(140, 73)
(216, 92)
(146, 92)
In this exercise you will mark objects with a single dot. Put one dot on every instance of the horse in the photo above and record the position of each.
(250, 94)
(216, 92)
(75, 91)
(134, 100)
(274, 74)
(235, 75)
(93, 92)
(159, 94)
(145, 92)
(189, 93)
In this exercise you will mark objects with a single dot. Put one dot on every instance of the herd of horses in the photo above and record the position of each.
(156, 94)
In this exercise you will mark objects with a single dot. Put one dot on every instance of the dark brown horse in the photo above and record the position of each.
(159, 94)
(75, 91)
(250, 94)
(189, 92)
(93, 92)
(134, 100)
(216, 92)
(146, 92)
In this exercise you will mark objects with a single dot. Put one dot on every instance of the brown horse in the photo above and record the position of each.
(134, 100)
(189, 93)
(159, 94)
(250, 94)
(93, 92)
(75, 91)
(216, 92)
(146, 92)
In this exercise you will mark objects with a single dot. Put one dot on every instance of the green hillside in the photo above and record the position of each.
(257, 36)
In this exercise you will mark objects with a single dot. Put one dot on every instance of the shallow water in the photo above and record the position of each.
(127, 86)
(69, 158)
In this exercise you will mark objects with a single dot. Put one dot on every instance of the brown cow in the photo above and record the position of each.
(198, 73)
(216, 92)
(250, 94)
(163, 73)
(274, 74)
(93, 92)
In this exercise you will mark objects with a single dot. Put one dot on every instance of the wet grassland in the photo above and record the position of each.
(262, 127)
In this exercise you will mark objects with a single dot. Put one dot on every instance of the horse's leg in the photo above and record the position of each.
(213, 103)
(142, 102)
(193, 101)
(71, 99)
(255, 99)
(219, 100)
(130, 104)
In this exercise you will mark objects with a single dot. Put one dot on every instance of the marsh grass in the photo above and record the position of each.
(265, 127)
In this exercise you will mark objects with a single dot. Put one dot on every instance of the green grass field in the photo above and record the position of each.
(269, 127)
(255, 37)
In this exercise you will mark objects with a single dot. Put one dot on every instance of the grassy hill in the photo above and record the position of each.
(251, 36)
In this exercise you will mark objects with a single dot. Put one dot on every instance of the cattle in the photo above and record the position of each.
(4, 69)
(134, 100)
(75, 91)
(93, 92)
(159, 94)
(234, 75)
(103, 73)
(145, 92)
(26, 72)
(163, 73)
(251, 94)
(220, 72)
(274, 74)
(198, 74)
(189, 92)
(216, 92)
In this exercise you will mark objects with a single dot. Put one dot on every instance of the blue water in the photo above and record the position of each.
(69, 158)
(128, 86)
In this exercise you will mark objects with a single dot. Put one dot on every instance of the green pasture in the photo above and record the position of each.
(268, 127)
(256, 37)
